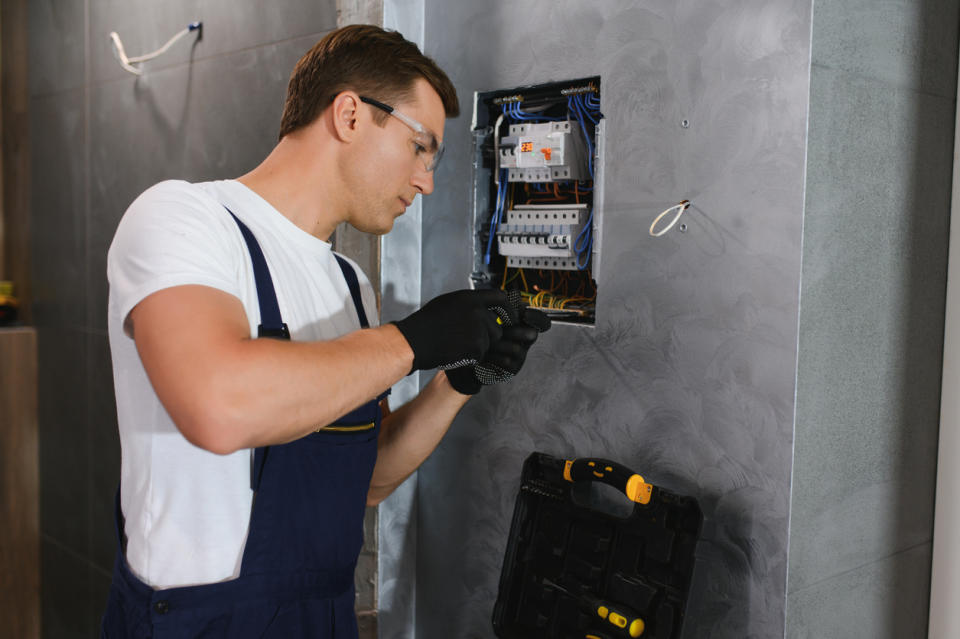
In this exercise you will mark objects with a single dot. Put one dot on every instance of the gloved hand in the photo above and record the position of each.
(456, 328)
(506, 355)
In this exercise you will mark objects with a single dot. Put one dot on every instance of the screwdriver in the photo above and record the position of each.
(627, 623)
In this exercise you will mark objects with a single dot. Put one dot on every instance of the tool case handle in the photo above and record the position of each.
(609, 472)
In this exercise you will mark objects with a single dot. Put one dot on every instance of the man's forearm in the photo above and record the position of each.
(411, 433)
(225, 391)
(304, 386)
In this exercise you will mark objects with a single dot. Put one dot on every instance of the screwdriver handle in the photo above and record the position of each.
(623, 621)
(626, 622)
(609, 472)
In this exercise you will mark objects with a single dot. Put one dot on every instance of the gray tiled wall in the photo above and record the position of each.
(882, 108)
(100, 136)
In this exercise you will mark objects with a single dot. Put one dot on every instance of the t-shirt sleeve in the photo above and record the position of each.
(172, 235)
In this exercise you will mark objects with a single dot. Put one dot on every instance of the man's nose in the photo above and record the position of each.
(423, 181)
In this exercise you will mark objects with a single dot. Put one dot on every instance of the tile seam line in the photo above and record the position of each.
(859, 567)
(214, 56)
(87, 274)
(880, 81)
(76, 555)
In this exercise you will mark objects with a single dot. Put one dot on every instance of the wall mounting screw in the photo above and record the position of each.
(683, 227)
(685, 123)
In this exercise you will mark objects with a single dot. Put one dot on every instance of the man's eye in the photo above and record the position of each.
(419, 148)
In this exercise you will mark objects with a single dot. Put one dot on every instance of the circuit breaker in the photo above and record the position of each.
(543, 152)
(538, 195)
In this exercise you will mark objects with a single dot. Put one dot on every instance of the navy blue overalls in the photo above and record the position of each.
(306, 530)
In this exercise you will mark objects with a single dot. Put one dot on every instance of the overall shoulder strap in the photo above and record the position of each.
(271, 324)
(354, 285)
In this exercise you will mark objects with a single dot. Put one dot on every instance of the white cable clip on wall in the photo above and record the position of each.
(679, 208)
(127, 63)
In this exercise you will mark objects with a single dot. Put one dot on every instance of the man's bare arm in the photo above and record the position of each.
(411, 433)
(225, 391)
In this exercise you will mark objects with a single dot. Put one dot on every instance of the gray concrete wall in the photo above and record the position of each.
(689, 374)
(100, 136)
(882, 104)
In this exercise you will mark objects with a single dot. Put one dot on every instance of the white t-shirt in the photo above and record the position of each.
(188, 510)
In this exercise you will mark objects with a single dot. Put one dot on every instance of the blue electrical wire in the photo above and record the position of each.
(513, 110)
(573, 106)
(592, 101)
(583, 108)
(583, 245)
(497, 214)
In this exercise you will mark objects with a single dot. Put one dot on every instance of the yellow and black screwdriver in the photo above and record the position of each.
(624, 621)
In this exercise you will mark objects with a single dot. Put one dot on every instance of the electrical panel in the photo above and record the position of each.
(538, 194)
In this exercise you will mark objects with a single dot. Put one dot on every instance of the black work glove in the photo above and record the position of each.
(506, 355)
(456, 328)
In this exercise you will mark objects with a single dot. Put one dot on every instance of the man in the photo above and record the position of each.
(247, 462)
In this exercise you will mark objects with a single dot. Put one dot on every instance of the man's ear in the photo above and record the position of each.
(345, 110)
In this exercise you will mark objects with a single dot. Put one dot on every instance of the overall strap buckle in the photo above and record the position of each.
(277, 333)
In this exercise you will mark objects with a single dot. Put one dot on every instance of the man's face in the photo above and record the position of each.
(387, 168)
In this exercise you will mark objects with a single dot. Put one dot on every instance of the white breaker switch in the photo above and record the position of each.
(541, 236)
(544, 152)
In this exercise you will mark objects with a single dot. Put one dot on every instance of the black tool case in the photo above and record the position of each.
(643, 562)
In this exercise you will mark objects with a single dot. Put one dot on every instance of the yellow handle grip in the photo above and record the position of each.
(609, 472)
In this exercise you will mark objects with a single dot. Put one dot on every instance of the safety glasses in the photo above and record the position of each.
(429, 151)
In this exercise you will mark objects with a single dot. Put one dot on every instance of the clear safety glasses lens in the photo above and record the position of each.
(427, 140)
(431, 162)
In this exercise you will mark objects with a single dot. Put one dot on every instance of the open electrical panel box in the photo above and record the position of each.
(538, 194)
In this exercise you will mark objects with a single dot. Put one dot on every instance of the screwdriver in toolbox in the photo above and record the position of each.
(625, 621)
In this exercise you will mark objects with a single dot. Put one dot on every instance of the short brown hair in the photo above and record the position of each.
(363, 58)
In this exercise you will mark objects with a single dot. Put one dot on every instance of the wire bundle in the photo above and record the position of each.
(557, 296)
(513, 110)
(497, 214)
(585, 108)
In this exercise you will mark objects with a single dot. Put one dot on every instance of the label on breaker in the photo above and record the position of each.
(546, 151)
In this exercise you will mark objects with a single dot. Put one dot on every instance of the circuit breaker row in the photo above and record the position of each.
(541, 236)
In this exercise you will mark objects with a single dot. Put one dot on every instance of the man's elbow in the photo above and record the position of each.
(212, 429)
(212, 443)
